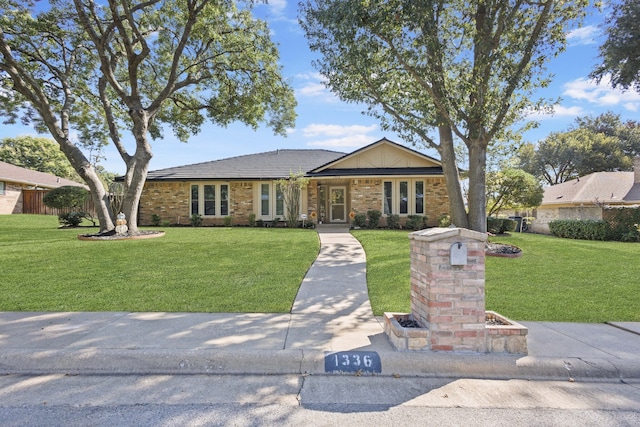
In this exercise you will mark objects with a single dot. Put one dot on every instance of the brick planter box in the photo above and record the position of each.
(508, 337)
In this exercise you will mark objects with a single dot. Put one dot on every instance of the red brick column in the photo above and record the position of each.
(449, 299)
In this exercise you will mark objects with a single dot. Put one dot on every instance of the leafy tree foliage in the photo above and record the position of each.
(465, 68)
(291, 189)
(99, 69)
(620, 53)
(66, 197)
(601, 144)
(610, 124)
(38, 154)
(512, 189)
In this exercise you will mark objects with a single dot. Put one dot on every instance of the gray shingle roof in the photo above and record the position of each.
(268, 165)
(604, 187)
(13, 173)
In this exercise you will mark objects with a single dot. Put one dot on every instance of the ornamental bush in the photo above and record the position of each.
(360, 220)
(393, 221)
(500, 225)
(66, 197)
(374, 218)
(416, 222)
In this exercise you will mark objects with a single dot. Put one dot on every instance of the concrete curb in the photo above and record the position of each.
(301, 362)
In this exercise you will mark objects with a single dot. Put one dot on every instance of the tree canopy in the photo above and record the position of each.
(37, 153)
(465, 68)
(620, 53)
(99, 70)
(600, 144)
(512, 189)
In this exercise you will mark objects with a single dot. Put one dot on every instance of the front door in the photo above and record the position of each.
(338, 205)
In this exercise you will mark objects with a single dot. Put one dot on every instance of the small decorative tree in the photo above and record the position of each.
(69, 200)
(291, 190)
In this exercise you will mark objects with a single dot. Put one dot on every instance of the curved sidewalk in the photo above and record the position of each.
(331, 313)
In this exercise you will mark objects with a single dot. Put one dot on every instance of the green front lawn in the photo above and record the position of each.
(188, 270)
(555, 279)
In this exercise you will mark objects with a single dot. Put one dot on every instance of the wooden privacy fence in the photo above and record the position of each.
(32, 204)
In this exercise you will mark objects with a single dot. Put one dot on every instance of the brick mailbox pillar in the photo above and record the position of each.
(447, 287)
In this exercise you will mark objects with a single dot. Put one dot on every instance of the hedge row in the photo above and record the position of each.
(618, 224)
(579, 229)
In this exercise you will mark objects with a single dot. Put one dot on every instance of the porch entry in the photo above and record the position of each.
(338, 204)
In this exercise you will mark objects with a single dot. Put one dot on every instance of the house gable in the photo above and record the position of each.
(383, 155)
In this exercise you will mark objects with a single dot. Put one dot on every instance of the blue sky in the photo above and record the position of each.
(327, 123)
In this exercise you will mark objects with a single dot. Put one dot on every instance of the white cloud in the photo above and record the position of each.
(331, 136)
(602, 94)
(313, 87)
(277, 6)
(583, 36)
(555, 111)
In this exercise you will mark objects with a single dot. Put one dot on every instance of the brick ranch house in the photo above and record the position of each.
(384, 176)
(588, 197)
(22, 190)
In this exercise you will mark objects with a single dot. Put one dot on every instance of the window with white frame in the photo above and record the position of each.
(403, 197)
(270, 206)
(265, 199)
(2, 188)
(210, 199)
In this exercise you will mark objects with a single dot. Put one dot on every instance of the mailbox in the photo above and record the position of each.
(458, 254)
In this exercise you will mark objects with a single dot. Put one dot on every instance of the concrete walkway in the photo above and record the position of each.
(331, 313)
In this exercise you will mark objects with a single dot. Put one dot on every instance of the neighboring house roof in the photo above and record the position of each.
(375, 159)
(20, 175)
(602, 187)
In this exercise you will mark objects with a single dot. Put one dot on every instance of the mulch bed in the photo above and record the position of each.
(503, 250)
(111, 235)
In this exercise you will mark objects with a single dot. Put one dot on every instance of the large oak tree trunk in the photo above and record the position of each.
(477, 196)
(450, 170)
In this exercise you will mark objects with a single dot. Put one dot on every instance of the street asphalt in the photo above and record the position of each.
(331, 328)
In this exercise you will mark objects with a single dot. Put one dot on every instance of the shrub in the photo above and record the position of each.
(500, 225)
(71, 219)
(360, 220)
(155, 220)
(494, 225)
(416, 222)
(508, 225)
(228, 221)
(252, 219)
(444, 220)
(196, 220)
(374, 218)
(393, 221)
(623, 223)
(580, 229)
(66, 197)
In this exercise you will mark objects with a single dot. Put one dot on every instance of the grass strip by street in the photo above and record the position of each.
(558, 280)
(237, 269)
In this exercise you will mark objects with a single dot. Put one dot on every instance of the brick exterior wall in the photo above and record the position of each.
(171, 200)
(436, 200)
(241, 201)
(11, 200)
(168, 200)
(366, 194)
